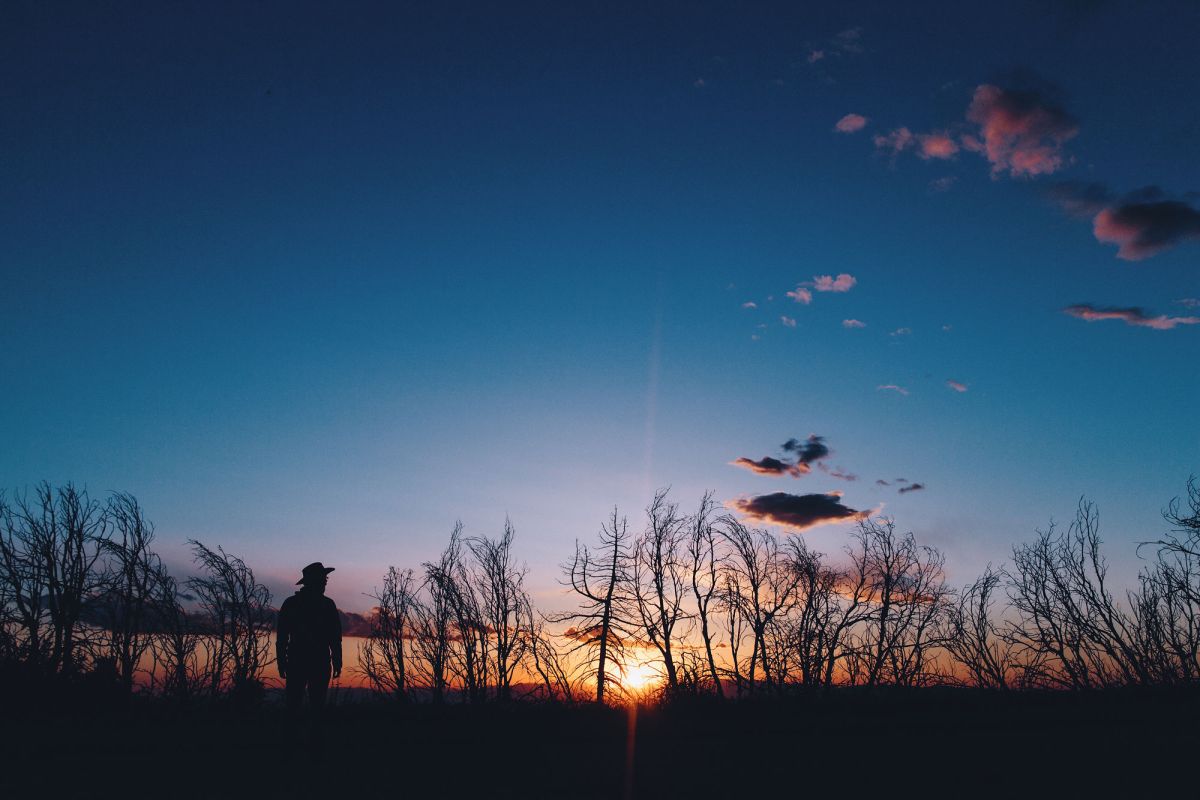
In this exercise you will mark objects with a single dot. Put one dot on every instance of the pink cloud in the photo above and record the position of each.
(895, 142)
(956, 386)
(937, 145)
(851, 123)
(853, 323)
(1130, 316)
(891, 387)
(788, 322)
(827, 283)
(801, 295)
(1023, 134)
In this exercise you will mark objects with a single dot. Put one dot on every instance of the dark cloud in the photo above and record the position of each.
(912, 487)
(1141, 223)
(811, 449)
(882, 482)
(767, 466)
(798, 511)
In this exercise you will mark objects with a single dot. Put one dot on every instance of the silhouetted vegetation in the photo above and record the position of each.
(691, 605)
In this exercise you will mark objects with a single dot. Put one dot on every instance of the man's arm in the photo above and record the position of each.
(283, 631)
(335, 644)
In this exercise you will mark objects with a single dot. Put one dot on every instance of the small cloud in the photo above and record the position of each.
(815, 55)
(801, 295)
(811, 449)
(956, 386)
(882, 482)
(787, 321)
(1022, 132)
(901, 332)
(936, 145)
(803, 454)
(943, 184)
(895, 142)
(827, 283)
(699, 83)
(853, 323)
(754, 337)
(797, 511)
(767, 465)
(749, 304)
(849, 41)
(1189, 302)
(837, 472)
(851, 123)
(1130, 316)
(947, 328)
(913, 487)
(891, 387)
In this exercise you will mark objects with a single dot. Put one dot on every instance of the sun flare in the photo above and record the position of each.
(640, 677)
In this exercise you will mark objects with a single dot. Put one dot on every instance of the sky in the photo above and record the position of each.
(316, 281)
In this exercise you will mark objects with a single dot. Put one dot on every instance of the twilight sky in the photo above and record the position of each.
(315, 283)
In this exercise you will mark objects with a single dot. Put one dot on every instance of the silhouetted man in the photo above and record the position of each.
(309, 639)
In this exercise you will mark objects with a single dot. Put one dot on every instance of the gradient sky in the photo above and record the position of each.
(313, 283)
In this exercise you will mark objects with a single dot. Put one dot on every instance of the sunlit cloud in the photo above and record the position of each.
(801, 295)
(895, 142)
(801, 455)
(851, 123)
(1130, 316)
(827, 283)
(956, 386)
(771, 466)
(799, 512)
(936, 145)
(1022, 133)
(853, 323)
(891, 387)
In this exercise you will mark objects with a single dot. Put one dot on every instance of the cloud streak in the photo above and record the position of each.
(1130, 316)
(956, 386)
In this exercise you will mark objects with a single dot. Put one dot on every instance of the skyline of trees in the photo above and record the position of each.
(708, 604)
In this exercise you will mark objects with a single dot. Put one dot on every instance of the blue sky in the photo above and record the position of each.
(313, 283)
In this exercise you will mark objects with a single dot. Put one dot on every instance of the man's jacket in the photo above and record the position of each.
(309, 633)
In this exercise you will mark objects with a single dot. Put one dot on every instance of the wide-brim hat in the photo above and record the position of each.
(314, 570)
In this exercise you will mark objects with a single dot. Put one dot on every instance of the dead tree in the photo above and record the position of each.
(972, 637)
(129, 580)
(176, 643)
(238, 621)
(500, 590)
(601, 626)
(383, 657)
(48, 548)
(658, 579)
(704, 568)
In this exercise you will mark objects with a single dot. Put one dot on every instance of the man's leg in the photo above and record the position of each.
(294, 689)
(318, 687)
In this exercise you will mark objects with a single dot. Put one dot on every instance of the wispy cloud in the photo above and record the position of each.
(912, 487)
(891, 387)
(797, 511)
(787, 321)
(882, 482)
(1022, 132)
(749, 304)
(901, 332)
(851, 123)
(768, 466)
(801, 295)
(894, 142)
(1130, 316)
(956, 386)
(1189, 302)
(943, 184)
(853, 323)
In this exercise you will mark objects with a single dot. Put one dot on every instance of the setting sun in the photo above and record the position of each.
(640, 677)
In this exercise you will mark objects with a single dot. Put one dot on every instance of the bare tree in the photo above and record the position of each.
(501, 598)
(658, 581)
(973, 638)
(383, 658)
(177, 642)
(704, 569)
(601, 626)
(238, 620)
